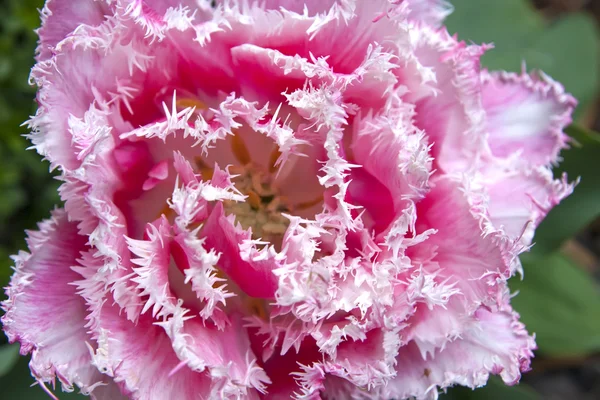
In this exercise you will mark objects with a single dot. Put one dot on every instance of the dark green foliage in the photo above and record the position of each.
(28, 191)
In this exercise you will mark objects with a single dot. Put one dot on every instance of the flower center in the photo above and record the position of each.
(262, 209)
(255, 178)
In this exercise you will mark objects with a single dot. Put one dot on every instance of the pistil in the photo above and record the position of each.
(262, 211)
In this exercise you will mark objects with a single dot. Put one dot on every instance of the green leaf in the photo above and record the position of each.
(560, 303)
(583, 206)
(17, 385)
(567, 50)
(9, 354)
(509, 24)
(5, 267)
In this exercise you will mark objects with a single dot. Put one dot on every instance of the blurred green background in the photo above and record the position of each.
(560, 298)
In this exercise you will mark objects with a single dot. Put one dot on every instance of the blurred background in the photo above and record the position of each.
(560, 298)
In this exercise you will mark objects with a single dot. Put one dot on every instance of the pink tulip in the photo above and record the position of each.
(279, 198)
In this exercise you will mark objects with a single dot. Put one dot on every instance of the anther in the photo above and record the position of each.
(240, 151)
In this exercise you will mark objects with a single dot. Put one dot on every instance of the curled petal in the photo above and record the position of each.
(493, 343)
(431, 12)
(460, 253)
(43, 311)
(222, 234)
(519, 200)
(59, 20)
(526, 115)
(454, 128)
(129, 352)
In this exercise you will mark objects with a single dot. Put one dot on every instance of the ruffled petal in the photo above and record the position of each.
(459, 253)
(59, 19)
(395, 163)
(225, 354)
(222, 349)
(43, 311)
(158, 17)
(494, 342)
(141, 359)
(431, 12)
(447, 98)
(519, 200)
(525, 116)
(256, 279)
(359, 365)
(77, 106)
(283, 369)
(297, 6)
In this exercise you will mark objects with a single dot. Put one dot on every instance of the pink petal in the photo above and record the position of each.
(394, 159)
(59, 19)
(449, 71)
(463, 254)
(256, 279)
(73, 99)
(526, 115)
(366, 191)
(494, 343)
(168, 260)
(358, 367)
(157, 17)
(156, 175)
(431, 12)
(254, 64)
(200, 270)
(160, 171)
(281, 370)
(519, 200)
(226, 354)
(44, 312)
(297, 6)
(184, 169)
(297, 179)
(367, 363)
(91, 198)
(140, 358)
(223, 349)
(342, 32)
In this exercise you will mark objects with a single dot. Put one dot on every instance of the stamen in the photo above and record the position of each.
(190, 102)
(275, 204)
(240, 151)
(263, 207)
(206, 171)
(259, 187)
(273, 159)
(254, 200)
(167, 212)
(308, 204)
(258, 307)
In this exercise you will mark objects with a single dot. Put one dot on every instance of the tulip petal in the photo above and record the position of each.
(526, 115)
(43, 311)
